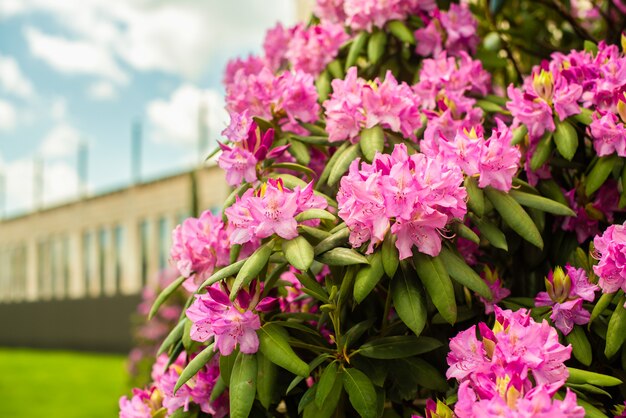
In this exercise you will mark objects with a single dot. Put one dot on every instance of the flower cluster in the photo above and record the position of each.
(306, 48)
(270, 210)
(610, 248)
(498, 291)
(589, 214)
(356, 104)
(453, 31)
(494, 160)
(160, 398)
(513, 370)
(199, 245)
(230, 323)
(419, 194)
(565, 294)
(365, 14)
(608, 129)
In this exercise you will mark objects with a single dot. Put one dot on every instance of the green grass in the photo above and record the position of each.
(60, 384)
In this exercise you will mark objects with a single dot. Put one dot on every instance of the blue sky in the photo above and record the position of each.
(81, 71)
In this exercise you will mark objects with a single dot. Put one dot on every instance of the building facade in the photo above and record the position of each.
(110, 244)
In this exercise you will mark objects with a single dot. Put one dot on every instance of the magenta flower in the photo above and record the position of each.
(199, 245)
(456, 26)
(275, 46)
(355, 104)
(499, 160)
(609, 134)
(498, 291)
(270, 210)
(310, 49)
(418, 193)
(610, 250)
(140, 405)
(230, 323)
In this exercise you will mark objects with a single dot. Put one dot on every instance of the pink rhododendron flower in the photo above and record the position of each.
(609, 134)
(275, 46)
(198, 246)
(270, 210)
(457, 26)
(249, 66)
(355, 104)
(610, 250)
(310, 49)
(230, 323)
(238, 129)
(142, 404)
(498, 291)
(419, 193)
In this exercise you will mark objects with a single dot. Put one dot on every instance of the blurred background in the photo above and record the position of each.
(107, 112)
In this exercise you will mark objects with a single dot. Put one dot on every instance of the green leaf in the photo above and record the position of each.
(218, 389)
(566, 139)
(376, 46)
(312, 366)
(491, 233)
(519, 134)
(580, 345)
(584, 116)
(434, 276)
(328, 408)
(186, 337)
(222, 274)
(164, 295)
(425, 374)
(354, 333)
(490, 107)
(476, 200)
(390, 257)
(542, 152)
(298, 252)
(600, 306)
(251, 268)
(322, 85)
(398, 346)
(467, 233)
(274, 344)
(541, 203)
(463, 274)
(226, 366)
(578, 376)
(314, 129)
(360, 392)
(174, 336)
(409, 302)
(552, 190)
(401, 31)
(355, 49)
(343, 163)
(368, 277)
(242, 389)
(311, 284)
(338, 238)
(335, 69)
(266, 381)
(616, 333)
(341, 257)
(331, 163)
(326, 383)
(315, 214)
(197, 363)
(372, 141)
(513, 214)
(299, 151)
(295, 167)
(600, 172)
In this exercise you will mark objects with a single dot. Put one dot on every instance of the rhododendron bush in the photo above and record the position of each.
(427, 219)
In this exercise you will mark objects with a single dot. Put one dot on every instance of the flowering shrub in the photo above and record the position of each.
(427, 220)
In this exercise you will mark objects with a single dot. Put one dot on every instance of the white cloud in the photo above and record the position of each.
(8, 116)
(61, 141)
(11, 78)
(74, 56)
(176, 120)
(102, 90)
(58, 109)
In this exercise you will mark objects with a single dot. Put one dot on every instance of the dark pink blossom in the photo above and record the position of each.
(610, 250)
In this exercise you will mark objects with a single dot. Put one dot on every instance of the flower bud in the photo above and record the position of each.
(558, 285)
(543, 83)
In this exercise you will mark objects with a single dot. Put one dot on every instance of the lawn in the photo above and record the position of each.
(60, 384)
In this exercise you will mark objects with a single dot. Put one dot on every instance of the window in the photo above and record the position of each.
(144, 237)
(165, 235)
(119, 243)
(88, 272)
(65, 266)
(103, 250)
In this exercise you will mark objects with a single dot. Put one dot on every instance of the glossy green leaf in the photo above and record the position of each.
(399, 346)
(465, 232)
(331, 162)
(164, 295)
(330, 405)
(341, 256)
(226, 366)
(581, 348)
(599, 173)
(491, 233)
(616, 333)
(583, 376)
(242, 389)
(251, 268)
(322, 85)
(515, 216)
(343, 163)
(408, 301)
(436, 280)
(368, 277)
(600, 306)
(424, 373)
(222, 274)
(584, 116)
(218, 389)
(173, 337)
(312, 366)
(197, 363)
(376, 46)
(326, 383)
(336, 239)
(519, 135)
(463, 274)
(266, 381)
(476, 200)
(542, 152)
(372, 140)
(566, 139)
(541, 203)
(401, 31)
(552, 190)
(360, 392)
(295, 167)
(274, 344)
(315, 214)
(390, 255)
(298, 252)
(358, 43)
(299, 151)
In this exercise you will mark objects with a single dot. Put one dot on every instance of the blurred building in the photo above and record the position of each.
(97, 251)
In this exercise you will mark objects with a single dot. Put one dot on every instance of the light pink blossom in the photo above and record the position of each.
(610, 250)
